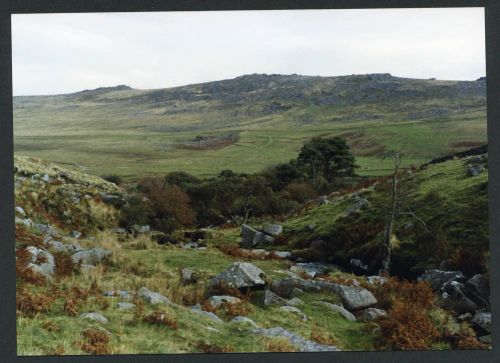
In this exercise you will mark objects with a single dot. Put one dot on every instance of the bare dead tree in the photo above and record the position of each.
(386, 260)
(396, 209)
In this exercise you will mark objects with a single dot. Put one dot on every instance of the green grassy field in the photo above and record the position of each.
(137, 132)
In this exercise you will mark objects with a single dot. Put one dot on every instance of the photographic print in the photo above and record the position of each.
(251, 181)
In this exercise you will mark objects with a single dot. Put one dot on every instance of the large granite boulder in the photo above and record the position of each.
(91, 257)
(217, 300)
(94, 317)
(294, 310)
(267, 298)
(273, 230)
(247, 235)
(240, 275)
(437, 278)
(454, 298)
(371, 314)
(353, 297)
(477, 288)
(153, 298)
(483, 321)
(337, 309)
(250, 237)
(189, 276)
(42, 261)
(46, 229)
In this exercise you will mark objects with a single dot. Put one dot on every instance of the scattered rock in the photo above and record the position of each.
(217, 300)
(45, 178)
(122, 294)
(371, 314)
(20, 211)
(87, 268)
(247, 235)
(27, 222)
(267, 298)
(483, 320)
(454, 298)
(477, 288)
(311, 227)
(94, 317)
(376, 280)
(125, 306)
(62, 247)
(294, 310)
(358, 265)
(312, 269)
(302, 344)
(323, 199)
(283, 254)
(244, 320)
(119, 230)
(475, 170)
(93, 256)
(194, 235)
(273, 230)
(338, 309)
(189, 245)
(189, 276)
(486, 339)
(261, 237)
(251, 237)
(355, 298)
(162, 238)
(46, 229)
(75, 234)
(297, 292)
(139, 229)
(295, 301)
(42, 261)
(240, 275)
(111, 199)
(152, 297)
(207, 314)
(358, 204)
(437, 278)
(464, 317)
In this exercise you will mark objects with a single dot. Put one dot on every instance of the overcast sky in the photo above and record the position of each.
(62, 53)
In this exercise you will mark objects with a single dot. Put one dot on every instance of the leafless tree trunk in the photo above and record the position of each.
(386, 260)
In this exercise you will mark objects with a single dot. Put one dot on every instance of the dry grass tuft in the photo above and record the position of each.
(408, 324)
(139, 308)
(64, 264)
(394, 290)
(408, 327)
(230, 310)
(161, 319)
(321, 336)
(211, 348)
(30, 304)
(95, 342)
(279, 345)
(71, 308)
(49, 325)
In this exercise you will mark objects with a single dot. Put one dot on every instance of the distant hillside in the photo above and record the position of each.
(143, 131)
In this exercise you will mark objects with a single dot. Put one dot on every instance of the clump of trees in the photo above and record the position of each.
(180, 200)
